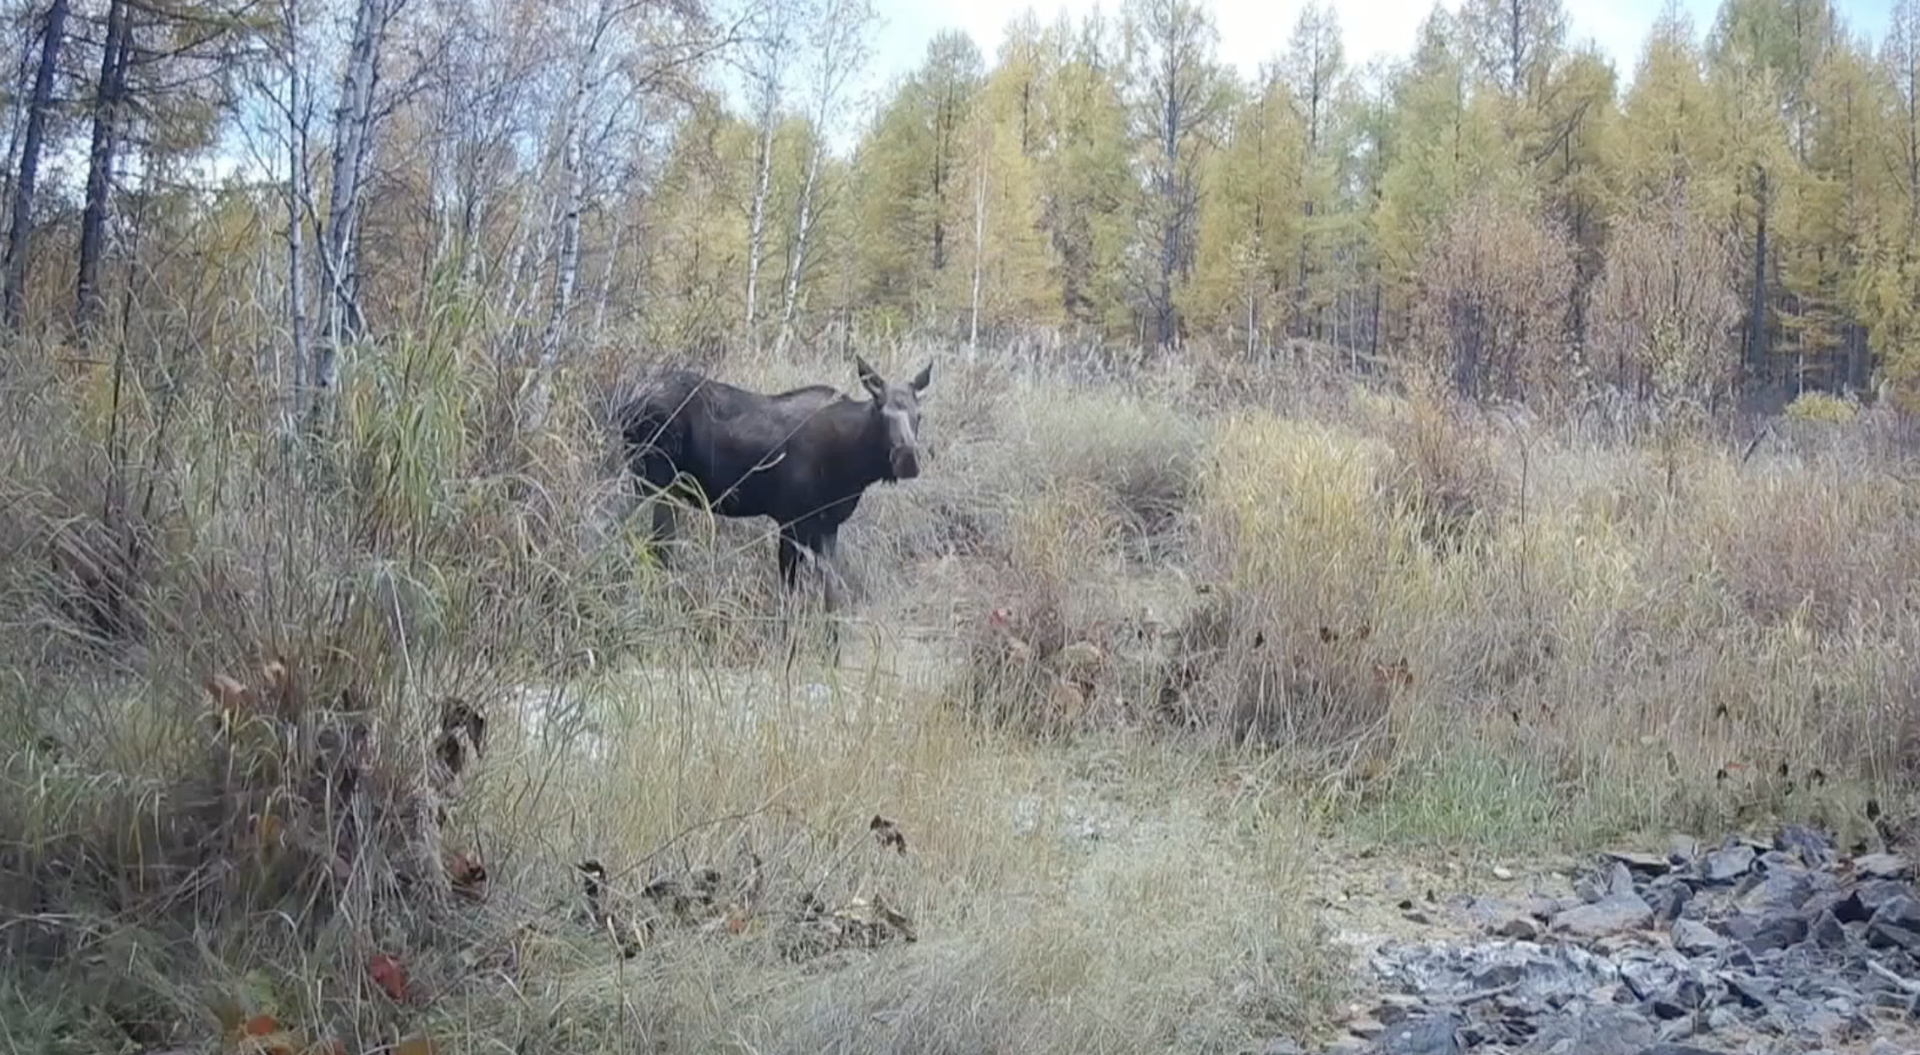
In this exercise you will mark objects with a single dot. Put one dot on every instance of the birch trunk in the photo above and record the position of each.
(297, 194)
(352, 119)
(979, 251)
(21, 234)
(790, 302)
(756, 223)
(838, 29)
(606, 284)
(539, 383)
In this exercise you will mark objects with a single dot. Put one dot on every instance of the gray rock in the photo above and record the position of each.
(1883, 866)
(1643, 864)
(1592, 1029)
(1827, 932)
(1611, 915)
(1762, 942)
(1695, 938)
(1686, 997)
(1649, 979)
(1770, 933)
(1435, 1034)
(1895, 924)
(1518, 928)
(1812, 848)
(1728, 863)
(1847, 906)
(1669, 898)
(1778, 891)
(1749, 990)
(1682, 849)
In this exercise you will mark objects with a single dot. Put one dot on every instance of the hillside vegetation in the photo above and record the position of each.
(1456, 454)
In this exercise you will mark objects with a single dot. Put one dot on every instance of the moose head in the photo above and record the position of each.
(896, 410)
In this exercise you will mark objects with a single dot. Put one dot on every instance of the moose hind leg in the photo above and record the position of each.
(666, 527)
(789, 560)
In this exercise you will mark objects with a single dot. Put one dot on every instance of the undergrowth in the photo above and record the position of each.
(327, 735)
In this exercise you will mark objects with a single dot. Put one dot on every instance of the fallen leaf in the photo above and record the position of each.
(260, 1026)
(469, 877)
(1394, 674)
(418, 1044)
(279, 680)
(230, 698)
(275, 1044)
(389, 976)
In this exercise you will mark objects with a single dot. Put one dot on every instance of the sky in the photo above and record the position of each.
(1253, 31)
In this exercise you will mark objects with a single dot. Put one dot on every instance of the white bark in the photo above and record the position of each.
(352, 131)
(756, 222)
(795, 263)
(838, 44)
(539, 383)
(537, 389)
(606, 284)
(768, 71)
(297, 197)
(979, 249)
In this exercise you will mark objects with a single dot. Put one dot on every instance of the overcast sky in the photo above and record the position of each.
(1252, 31)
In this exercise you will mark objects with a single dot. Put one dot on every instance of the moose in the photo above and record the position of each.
(802, 458)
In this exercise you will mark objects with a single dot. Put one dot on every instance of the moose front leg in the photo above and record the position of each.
(824, 549)
(789, 558)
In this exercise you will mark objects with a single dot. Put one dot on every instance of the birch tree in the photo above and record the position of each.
(838, 50)
(766, 70)
(353, 129)
(605, 84)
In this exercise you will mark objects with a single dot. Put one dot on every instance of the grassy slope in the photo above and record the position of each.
(1592, 633)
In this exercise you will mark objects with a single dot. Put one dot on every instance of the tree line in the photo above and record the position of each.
(1741, 215)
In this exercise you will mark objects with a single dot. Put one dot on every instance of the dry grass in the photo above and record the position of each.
(1392, 616)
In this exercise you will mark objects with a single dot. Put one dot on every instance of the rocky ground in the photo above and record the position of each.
(1748, 947)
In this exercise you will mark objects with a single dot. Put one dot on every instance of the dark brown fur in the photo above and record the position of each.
(801, 458)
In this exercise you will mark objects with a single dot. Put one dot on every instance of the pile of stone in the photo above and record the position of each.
(1779, 948)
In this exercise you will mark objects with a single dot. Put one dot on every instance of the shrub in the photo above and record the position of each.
(1292, 644)
(1490, 312)
(1821, 407)
(1660, 313)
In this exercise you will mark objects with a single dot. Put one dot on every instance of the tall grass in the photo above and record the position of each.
(1380, 611)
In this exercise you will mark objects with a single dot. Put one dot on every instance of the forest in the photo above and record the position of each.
(1351, 496)
(1740, 218)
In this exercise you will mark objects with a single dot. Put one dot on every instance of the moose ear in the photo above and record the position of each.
(870, 377)
(922, 379)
